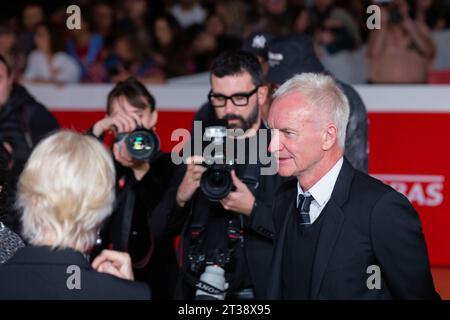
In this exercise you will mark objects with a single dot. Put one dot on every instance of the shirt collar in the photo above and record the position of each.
(323, 188)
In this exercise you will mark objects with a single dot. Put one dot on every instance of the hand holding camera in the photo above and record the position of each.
(134, 144)
(191, 180)
(240, 200)
(119, 122)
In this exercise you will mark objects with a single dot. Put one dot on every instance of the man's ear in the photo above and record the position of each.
(263, 92)
(329, 137)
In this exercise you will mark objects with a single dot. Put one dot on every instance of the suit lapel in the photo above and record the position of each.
(332, 225)
(285, 208)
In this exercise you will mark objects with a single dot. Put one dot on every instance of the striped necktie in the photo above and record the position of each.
(304, 202)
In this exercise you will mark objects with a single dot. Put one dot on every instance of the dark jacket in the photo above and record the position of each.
(23, 123)
(258, 230)
(133, 229)
(42, 273)
(365, 223)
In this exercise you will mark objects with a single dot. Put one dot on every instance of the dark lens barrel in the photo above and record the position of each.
(142, 144)
(216, 183)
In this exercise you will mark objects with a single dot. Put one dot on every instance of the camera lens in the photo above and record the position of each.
(216, 179)
(142, 144)
(216, 183)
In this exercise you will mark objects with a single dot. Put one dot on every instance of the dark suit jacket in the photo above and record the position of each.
(366, 223)
(40, 273)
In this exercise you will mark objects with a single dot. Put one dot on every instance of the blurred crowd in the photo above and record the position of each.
(158, 40)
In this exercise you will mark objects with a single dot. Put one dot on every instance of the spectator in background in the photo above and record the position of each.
(104, 21)
(169, 49)
(400, 44)
(335, 28)
(49, 63)
(188, 12)
(32, 15)
(233, 15)
(278, 17)
(335, 35)
(9, 241)
(127, 60)
(87, 49)
(138, 19)
(10, 49)
(210, 40)
(302, 23)
(430, 13)
(23, 123)
(65, 193)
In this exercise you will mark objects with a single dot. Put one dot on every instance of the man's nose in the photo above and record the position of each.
(274, 144)
(229, 107)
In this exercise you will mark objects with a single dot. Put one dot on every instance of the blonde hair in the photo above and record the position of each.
(322, 92)
(66, 191)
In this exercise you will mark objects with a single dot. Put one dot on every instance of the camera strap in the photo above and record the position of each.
(234, 230)
(201, 285)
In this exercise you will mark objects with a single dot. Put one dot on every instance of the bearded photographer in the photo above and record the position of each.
(142, 175)
(227, 240)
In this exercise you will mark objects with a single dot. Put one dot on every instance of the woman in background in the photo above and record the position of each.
(49, 63)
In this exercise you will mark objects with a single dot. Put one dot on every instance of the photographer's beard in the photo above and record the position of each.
(244, 123)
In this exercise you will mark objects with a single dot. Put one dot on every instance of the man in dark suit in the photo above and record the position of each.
(340, 234)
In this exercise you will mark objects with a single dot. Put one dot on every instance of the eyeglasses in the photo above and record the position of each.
(239, 99)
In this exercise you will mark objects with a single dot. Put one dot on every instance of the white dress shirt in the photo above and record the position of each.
(321, 191)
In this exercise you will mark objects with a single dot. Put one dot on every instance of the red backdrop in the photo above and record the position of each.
(410, 151)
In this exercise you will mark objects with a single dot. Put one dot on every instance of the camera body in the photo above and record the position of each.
(216, 182)
(142, 144)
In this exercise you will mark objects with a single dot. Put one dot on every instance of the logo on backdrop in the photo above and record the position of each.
(423, 190)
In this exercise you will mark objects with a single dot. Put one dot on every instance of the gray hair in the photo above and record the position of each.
(66, 191)
(322, 92)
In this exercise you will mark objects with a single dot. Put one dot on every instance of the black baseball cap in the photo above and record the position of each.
(291, 55)
(257, 43)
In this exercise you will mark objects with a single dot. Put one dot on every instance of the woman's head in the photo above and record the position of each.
(131, 96)
(166, 30)
(49, 39)
(66, 191)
